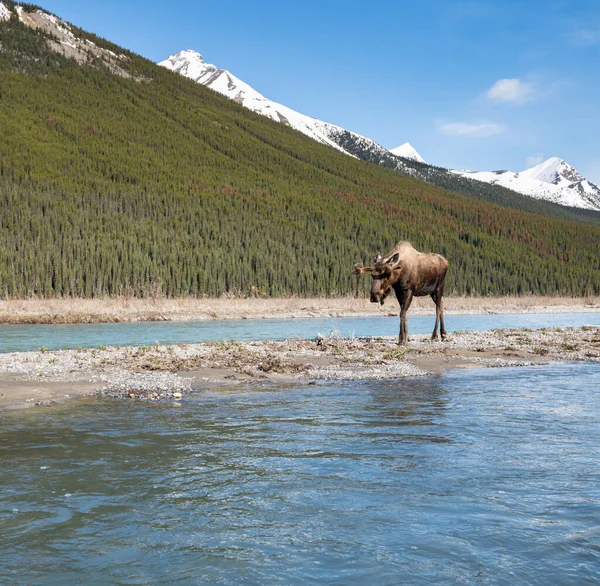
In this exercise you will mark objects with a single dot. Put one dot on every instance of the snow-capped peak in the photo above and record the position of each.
(190, 64)
(555, 171)
(188, 54)
(407, 151)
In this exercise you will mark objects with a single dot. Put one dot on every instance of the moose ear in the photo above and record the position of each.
(394, 260)
(377, 258)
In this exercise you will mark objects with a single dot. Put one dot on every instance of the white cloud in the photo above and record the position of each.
(534, 160)
(511, 90)
(477, 130)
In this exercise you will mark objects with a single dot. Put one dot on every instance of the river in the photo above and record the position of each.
(19, 338)
(483, 476)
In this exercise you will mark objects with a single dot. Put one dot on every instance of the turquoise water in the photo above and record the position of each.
(16, 338)
(485, 476)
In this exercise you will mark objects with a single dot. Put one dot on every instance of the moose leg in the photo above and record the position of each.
(440, 309)
(434, 296)
(438, 299)
(405, 301)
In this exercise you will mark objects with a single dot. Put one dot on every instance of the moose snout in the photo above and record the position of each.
(378, 292)
(377, 298)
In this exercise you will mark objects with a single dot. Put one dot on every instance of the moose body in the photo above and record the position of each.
(411, 274)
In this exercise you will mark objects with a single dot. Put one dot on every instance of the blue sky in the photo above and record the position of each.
(498, 84)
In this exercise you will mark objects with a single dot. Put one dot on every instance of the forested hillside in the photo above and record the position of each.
(148, 182)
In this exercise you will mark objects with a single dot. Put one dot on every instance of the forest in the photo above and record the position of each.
(152, 184)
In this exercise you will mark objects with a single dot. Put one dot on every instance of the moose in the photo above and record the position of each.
(411, 274)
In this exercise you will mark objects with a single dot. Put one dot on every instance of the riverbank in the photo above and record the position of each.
(127, 309)
(169, 372)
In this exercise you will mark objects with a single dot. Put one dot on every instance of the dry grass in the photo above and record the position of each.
(121, 309)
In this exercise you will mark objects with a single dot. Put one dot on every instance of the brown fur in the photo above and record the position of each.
(411, 274)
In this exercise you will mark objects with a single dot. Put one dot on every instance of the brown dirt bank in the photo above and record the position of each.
(125, 309)
(167, 372)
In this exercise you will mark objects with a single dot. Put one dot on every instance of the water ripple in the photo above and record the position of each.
(477, 477)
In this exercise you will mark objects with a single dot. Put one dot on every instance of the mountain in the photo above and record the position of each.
(407, 151)
(553, 180)
(577, 193)
(191, 64)
(558, 172)
(119, 177)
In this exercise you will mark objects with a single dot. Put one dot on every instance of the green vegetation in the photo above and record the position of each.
(396, 353)
(110, 185)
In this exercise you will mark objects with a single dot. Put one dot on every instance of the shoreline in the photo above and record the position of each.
(126, 309)
(168, 373)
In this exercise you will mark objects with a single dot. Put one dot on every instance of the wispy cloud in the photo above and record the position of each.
(533, 160)
(474, 130)
(511, 90)
(586, 36)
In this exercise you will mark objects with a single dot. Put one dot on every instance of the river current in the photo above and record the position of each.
(483, 476)
(19, 338)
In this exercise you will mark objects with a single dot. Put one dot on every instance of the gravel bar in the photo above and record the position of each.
(170, 372)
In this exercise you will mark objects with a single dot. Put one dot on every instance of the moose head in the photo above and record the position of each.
(384, 275)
